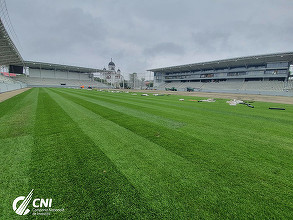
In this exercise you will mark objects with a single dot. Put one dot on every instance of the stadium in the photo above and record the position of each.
(70, 152)
(263, 74)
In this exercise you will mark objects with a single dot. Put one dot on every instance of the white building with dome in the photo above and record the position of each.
(111, 75)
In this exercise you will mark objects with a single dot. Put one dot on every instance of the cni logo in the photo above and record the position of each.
(22, 209)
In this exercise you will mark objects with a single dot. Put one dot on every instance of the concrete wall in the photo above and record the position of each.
(4, 87)
(274, 93)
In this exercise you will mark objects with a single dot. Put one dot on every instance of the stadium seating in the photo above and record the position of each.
(36, 82)
(8, 84)
(176, 84)
(233, 85)
(223, 85)
(289, 85)
(263, 85)
(4, 79)
(194, 85)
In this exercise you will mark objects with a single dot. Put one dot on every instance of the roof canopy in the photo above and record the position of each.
(9, 55)
(228, 63)
(8, 51)
(52, 66)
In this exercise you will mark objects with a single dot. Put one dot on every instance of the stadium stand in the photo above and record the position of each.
(193, 85)
(50, 82)
(172, 84)
(39, 74)
(8, 84)
(289, 85)
(274, 85)
(36, 74)
(223, 85)
(9, 54)
(268, 74)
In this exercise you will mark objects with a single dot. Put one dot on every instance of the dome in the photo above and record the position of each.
(111, 63)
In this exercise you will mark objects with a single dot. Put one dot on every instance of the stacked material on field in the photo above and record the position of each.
(156, 94)
(207, 100)
(234, 102)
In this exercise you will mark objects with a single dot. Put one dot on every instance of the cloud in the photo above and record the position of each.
(140, 35)
(166, 48)
(210, 40)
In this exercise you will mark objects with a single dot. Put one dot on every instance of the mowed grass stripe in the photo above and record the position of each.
(155, 105)
(216, 179)
(70, 168)
(122, 106)
(226, 121)
(226, 130)
(233, 172)
(18, 120)
(171, 102)
(155, 133)
(228, 134)
(14, 172)
(170, 183)
(200, 113)
(16, 142)
(127, 108)
(201, 109)
(13, 103)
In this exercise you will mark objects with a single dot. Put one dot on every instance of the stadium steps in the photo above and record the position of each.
(36, 81)
(263, 86)
(9, 84)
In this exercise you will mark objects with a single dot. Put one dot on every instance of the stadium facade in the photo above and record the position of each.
(40, 74)
(260, 74)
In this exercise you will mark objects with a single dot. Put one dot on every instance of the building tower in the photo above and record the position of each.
(111, 66)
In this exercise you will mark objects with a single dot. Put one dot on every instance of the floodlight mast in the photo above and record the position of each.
(122, 81)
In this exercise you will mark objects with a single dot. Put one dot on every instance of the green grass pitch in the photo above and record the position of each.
(105, 155)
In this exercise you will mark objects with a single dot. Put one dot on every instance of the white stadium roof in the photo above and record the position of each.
(8, 51)
(61, 67)
(226, 63)
(9, 54)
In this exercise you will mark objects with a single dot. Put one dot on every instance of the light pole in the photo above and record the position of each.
(123, 81)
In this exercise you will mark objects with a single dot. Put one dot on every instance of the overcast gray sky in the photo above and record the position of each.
(144, 34)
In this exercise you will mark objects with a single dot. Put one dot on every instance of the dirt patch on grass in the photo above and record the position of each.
(7, 95)
(261, 98)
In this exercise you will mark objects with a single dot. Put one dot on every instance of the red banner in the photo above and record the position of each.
(8, 74)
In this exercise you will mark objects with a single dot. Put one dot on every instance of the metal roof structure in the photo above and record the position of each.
(61, 67)
(9, 54)
(229, 63)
